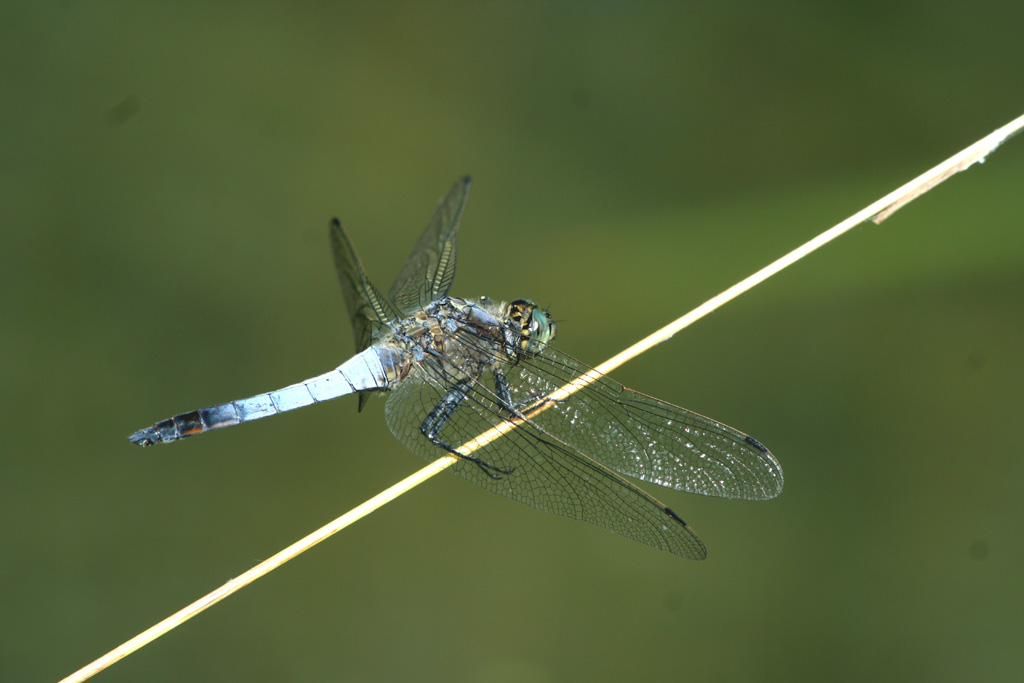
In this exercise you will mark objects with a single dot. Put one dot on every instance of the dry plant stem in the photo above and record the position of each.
(256, 572)
(878, 211)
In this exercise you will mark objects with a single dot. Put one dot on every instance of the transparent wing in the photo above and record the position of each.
(430, 269)
(644, 437)
(560, 459)
(544, 472)
(370, 311)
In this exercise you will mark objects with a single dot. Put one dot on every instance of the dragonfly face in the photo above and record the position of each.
(536, 328)
(455, 369)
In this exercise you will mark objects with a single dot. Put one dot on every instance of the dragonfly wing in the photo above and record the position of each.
(371, 312)
(430, 269)
(642, 436)
(543, 471)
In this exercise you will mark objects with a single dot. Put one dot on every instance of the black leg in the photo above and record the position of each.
(504, 392)
(439, 416)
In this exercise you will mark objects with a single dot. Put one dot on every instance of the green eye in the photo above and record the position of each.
(536, 328)
(542, 330)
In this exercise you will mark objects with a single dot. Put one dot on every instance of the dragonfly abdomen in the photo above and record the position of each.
(372, 370)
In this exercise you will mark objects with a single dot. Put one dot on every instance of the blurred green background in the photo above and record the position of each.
(168, 172)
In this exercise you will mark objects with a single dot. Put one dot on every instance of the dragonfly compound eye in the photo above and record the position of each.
(535, 325)
(542, 330)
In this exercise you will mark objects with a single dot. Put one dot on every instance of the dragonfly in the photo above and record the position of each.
(455, 369)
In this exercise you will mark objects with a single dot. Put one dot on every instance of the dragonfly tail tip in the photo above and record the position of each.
(145, 437)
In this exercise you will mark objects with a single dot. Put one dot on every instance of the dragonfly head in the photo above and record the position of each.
(536, 328)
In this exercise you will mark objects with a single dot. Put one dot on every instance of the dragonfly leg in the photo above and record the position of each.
(504, 392)
(438, 417)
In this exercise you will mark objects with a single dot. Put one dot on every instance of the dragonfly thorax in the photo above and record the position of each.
(451, 338)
